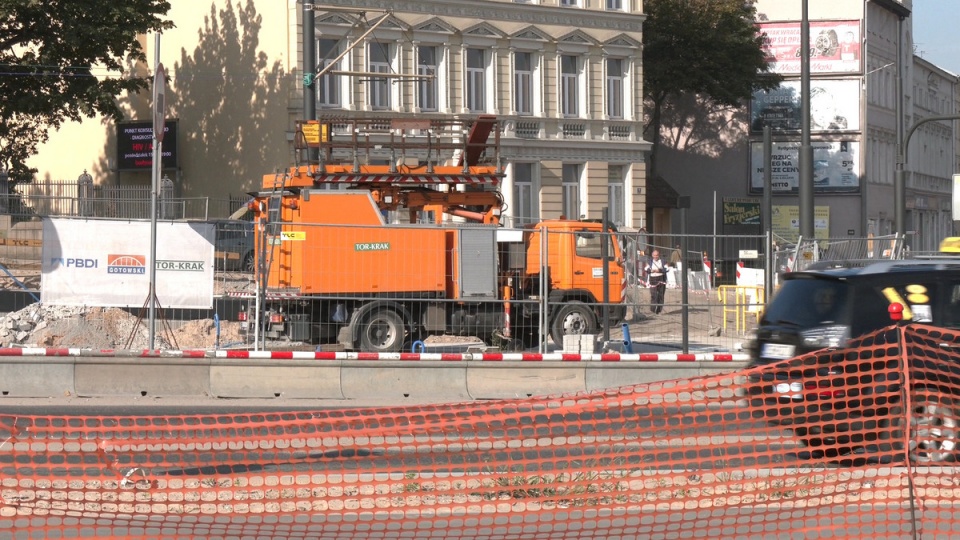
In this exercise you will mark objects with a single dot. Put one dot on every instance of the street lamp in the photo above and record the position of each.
(899, 180)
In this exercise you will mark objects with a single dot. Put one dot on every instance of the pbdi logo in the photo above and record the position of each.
(72, 262)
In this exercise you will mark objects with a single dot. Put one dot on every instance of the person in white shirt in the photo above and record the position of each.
(657, 279)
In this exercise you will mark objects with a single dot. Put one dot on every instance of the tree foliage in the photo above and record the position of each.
(65, 60)
(708, 48)
(244, 107)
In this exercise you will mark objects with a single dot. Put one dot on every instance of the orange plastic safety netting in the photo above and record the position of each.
(854, 443)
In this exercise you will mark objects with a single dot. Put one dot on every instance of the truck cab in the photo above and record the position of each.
(577, 286)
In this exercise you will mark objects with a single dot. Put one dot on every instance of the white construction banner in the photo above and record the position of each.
(107, 263)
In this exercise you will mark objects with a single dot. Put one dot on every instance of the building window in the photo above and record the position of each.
(379, 87)
(615, 88)
(616, 199)
(427, 85)
(328, 87)
(572, 3)
(526, 200)
(476, 81)
(569, 86)
(523, 83)
(615, 5)
(571, 190)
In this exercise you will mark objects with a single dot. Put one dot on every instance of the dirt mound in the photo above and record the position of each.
(108, 328)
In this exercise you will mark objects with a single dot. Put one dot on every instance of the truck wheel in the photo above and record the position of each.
(574, 318)
(249, 263)
(382, 331)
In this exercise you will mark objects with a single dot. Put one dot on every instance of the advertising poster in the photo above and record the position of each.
(834, 106)
(836, 167)
(834, 46)
(738, 211)
(106, 263)
(786, 222)
(135, 146)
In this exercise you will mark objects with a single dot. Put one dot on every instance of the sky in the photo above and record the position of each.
(935, 32)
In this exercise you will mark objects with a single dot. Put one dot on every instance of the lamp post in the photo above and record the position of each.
(899, 180)
(805, 155)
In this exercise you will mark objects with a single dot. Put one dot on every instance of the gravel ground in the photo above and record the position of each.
(106, 328)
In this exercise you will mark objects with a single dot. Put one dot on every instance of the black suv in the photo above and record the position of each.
(824, 307)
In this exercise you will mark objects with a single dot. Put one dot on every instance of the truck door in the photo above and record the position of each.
(587, 264)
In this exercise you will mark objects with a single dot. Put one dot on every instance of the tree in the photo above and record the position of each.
(64, 60)
(710, 49)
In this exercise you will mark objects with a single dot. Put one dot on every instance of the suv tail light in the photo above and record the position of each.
(823, 390)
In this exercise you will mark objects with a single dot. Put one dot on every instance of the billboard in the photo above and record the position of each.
(834, 46)
(785, 222)
(836, 167)
(135, 146)
(834, 106)
(106, 263)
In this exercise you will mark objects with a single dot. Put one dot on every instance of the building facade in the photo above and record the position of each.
(861, 57)
(564, 77)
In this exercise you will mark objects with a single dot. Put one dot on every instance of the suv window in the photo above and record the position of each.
(951, 310)
(809, 302)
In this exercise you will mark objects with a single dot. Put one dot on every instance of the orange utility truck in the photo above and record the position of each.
(377, 256)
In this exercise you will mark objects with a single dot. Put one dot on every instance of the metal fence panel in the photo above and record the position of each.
(112, 201)
(704, 317)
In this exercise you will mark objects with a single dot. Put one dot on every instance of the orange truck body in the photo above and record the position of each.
(351, 251)
(330, 266)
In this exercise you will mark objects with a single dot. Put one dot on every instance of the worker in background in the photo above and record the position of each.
(657, 279)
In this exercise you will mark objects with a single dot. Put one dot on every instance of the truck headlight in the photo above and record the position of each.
(826, 336)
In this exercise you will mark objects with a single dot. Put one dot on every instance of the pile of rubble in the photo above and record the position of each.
(39, 325)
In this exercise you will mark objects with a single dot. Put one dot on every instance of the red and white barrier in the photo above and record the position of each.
(413, 357)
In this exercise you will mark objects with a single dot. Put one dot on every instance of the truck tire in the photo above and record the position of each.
(249, 263)
(574, 318)
(382, 331)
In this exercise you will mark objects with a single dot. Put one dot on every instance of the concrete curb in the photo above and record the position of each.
(49, 373)
(362, 356)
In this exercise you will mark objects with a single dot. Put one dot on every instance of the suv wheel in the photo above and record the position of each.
(934, 429)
